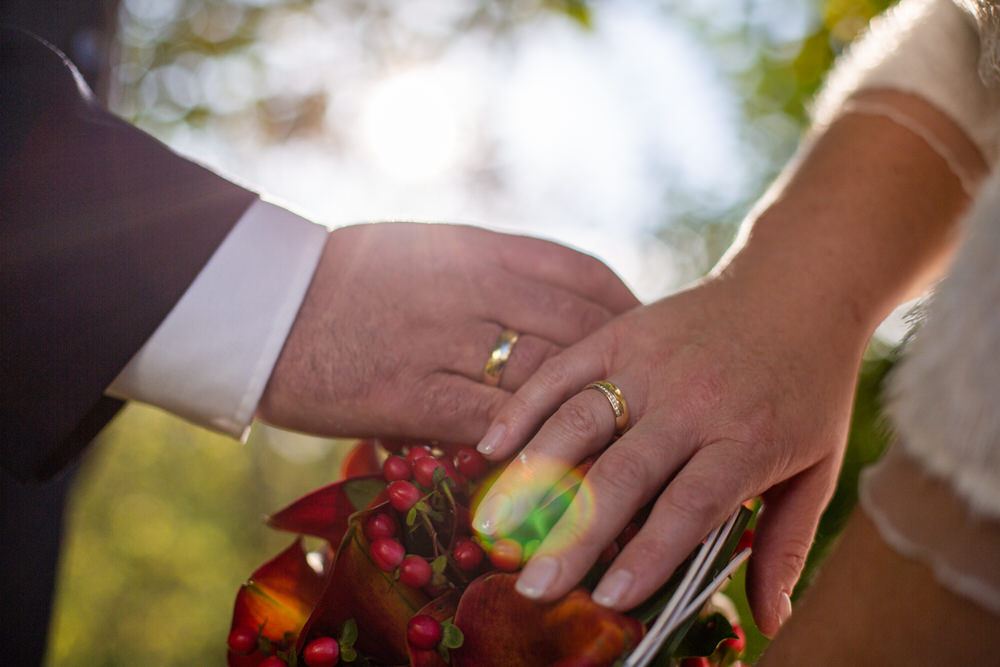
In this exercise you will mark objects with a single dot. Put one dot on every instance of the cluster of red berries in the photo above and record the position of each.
(412, 478)
(419, 465)
(416, 477)
(320, 652)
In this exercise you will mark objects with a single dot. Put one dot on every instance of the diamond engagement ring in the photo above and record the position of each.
(617, 401)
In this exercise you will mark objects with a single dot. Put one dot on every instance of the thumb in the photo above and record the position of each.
(783, 536)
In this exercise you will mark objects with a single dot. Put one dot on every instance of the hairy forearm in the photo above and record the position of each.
(863, 220)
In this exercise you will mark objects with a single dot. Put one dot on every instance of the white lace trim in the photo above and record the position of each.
(899, 117)
(952, 578)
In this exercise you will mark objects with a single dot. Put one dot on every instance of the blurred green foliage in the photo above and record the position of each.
(165, 525)
(166, 519)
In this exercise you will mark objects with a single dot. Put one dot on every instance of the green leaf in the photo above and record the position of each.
(348, 634)
(439, 564)
(289, 656)
(705, 636)
(438, 475)
(443, 652)
(421, 506)
(348, 654)
(411, 516)
(361, 492)
(451, 635)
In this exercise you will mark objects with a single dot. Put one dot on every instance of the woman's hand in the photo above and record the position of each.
(733, 393)
(742, 385)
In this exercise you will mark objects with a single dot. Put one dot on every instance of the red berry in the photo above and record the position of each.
(417, 452)
(403, 495)
(242, 639)
(387, 553)
(414, 571)
(453, 473)
(746, 540)
(608, 554)
(396, 467)
(505, 554)
(272, 661)
(423, 471)
(322, 652)
(423, 632)
(379, 525)
(628, 532)
(471, 463)
(467, 554)
(737, 645)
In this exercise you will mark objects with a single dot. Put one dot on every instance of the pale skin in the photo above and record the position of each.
(741, 385)
(395, 329)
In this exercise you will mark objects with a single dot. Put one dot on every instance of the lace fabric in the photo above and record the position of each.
(920, 517)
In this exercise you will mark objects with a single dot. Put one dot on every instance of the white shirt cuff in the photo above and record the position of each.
(211, 358)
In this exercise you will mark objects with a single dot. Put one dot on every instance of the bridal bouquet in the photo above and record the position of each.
(402, 579)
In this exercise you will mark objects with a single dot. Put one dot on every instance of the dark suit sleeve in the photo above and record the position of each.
(103, 229)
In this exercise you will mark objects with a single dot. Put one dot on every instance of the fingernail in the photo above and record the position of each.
(784, 608)
(537, 576)
(492, 439)
(613, 588)
(492, 513)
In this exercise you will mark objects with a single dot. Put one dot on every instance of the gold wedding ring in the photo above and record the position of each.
(498, 357)
(617, 401)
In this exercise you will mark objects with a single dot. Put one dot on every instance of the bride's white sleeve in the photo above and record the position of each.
(936, 496)
(929, 48)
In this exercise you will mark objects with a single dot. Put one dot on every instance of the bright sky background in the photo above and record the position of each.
(583, 131)
(580, 136)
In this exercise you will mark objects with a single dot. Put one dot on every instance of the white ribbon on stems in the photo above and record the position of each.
(688, 599)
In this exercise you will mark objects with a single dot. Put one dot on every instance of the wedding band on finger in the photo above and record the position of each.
(617, 401)
(498, 357)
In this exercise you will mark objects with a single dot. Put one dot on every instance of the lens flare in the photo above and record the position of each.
(539, 503)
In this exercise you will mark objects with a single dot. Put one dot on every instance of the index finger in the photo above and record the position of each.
(581, 426)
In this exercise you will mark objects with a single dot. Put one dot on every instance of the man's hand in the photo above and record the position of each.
(400, 318)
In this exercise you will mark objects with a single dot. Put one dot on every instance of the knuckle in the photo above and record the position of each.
(706, 391)
(516, 409)
(647, 548)
(553, 374)
(577, 421)
(442, 405)
(758, 425)
(694, 497)
(621, 470)
(573, 530)
(792, 556)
